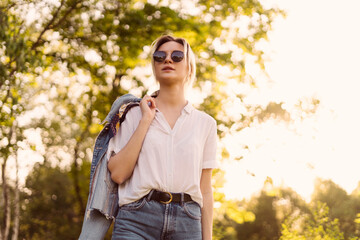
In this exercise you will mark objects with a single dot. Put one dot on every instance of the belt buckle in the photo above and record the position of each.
(169, 201)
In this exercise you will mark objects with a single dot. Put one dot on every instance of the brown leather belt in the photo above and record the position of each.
(167, 197)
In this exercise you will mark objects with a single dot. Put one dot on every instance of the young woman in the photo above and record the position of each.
(163, 156)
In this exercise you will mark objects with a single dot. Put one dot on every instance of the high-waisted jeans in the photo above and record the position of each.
(145, 219)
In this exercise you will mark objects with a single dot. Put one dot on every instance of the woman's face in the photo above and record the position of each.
(169, 71)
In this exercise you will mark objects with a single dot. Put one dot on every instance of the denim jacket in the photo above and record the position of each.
(102, 204)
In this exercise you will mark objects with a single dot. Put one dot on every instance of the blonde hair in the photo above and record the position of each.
(188, 53)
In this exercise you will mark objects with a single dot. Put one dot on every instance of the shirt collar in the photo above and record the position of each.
(188, 107)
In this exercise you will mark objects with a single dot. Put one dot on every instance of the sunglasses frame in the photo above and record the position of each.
(162, 58)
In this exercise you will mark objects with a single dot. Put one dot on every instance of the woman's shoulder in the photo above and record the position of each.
(204, 117)
(134, 112)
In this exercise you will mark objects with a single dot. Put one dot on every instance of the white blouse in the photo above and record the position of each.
(170, 159)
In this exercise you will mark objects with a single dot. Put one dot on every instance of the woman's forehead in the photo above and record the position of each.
(171, 46)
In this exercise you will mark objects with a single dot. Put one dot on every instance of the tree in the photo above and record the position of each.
(341, 206)
(265, 225)
(49, 212)
(270, 208)
(333, 215)
(15, 59)
(81, 55)
(316, 226)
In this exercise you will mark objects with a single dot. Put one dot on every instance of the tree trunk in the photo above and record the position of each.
(76, 179)
(76, 155)
(4, 196)
(7, 210)
(17, 203)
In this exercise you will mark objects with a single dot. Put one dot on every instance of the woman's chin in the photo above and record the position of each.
(168, 80)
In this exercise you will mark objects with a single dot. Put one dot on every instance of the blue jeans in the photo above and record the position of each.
(144, 219)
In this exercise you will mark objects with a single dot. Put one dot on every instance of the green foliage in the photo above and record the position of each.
(258, 218)
(265, 225)
(48, 202)
(48, 205)
(342, 206)
(318, 226)
(227, 216)
(333, 215)
(357, 220)
(271, 207)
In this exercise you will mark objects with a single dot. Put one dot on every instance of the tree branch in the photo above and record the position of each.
(66, 14)
(48, 26)
(8, 6)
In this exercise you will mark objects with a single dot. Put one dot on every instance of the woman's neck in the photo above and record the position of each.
(171, 97)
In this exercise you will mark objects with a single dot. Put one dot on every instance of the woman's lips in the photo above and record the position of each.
(167, 68)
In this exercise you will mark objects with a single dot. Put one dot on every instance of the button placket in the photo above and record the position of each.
(171, 161)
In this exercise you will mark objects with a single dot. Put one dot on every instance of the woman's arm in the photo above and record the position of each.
(208, 202)
(121, 165)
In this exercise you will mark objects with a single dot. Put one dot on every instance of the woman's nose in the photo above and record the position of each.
(168, 58)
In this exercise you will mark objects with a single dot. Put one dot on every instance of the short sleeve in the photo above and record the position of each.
(209, 155)
(126, 130)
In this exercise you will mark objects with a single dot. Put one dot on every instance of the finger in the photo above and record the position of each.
(144, 99)
(148, 101)
(151, 103)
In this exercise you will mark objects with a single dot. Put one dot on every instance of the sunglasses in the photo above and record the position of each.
(176, 56)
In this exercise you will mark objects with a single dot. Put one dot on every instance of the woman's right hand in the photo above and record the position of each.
(148, 106)
(122, 164)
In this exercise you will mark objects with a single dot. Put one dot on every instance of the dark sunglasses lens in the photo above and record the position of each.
(177, 56)
(159, 56)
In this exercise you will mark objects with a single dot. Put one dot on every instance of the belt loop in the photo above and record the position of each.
(182, 199)
(149, 195)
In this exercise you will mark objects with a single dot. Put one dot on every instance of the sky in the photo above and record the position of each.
(313, 52)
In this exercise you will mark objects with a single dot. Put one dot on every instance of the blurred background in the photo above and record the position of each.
(281, 78)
